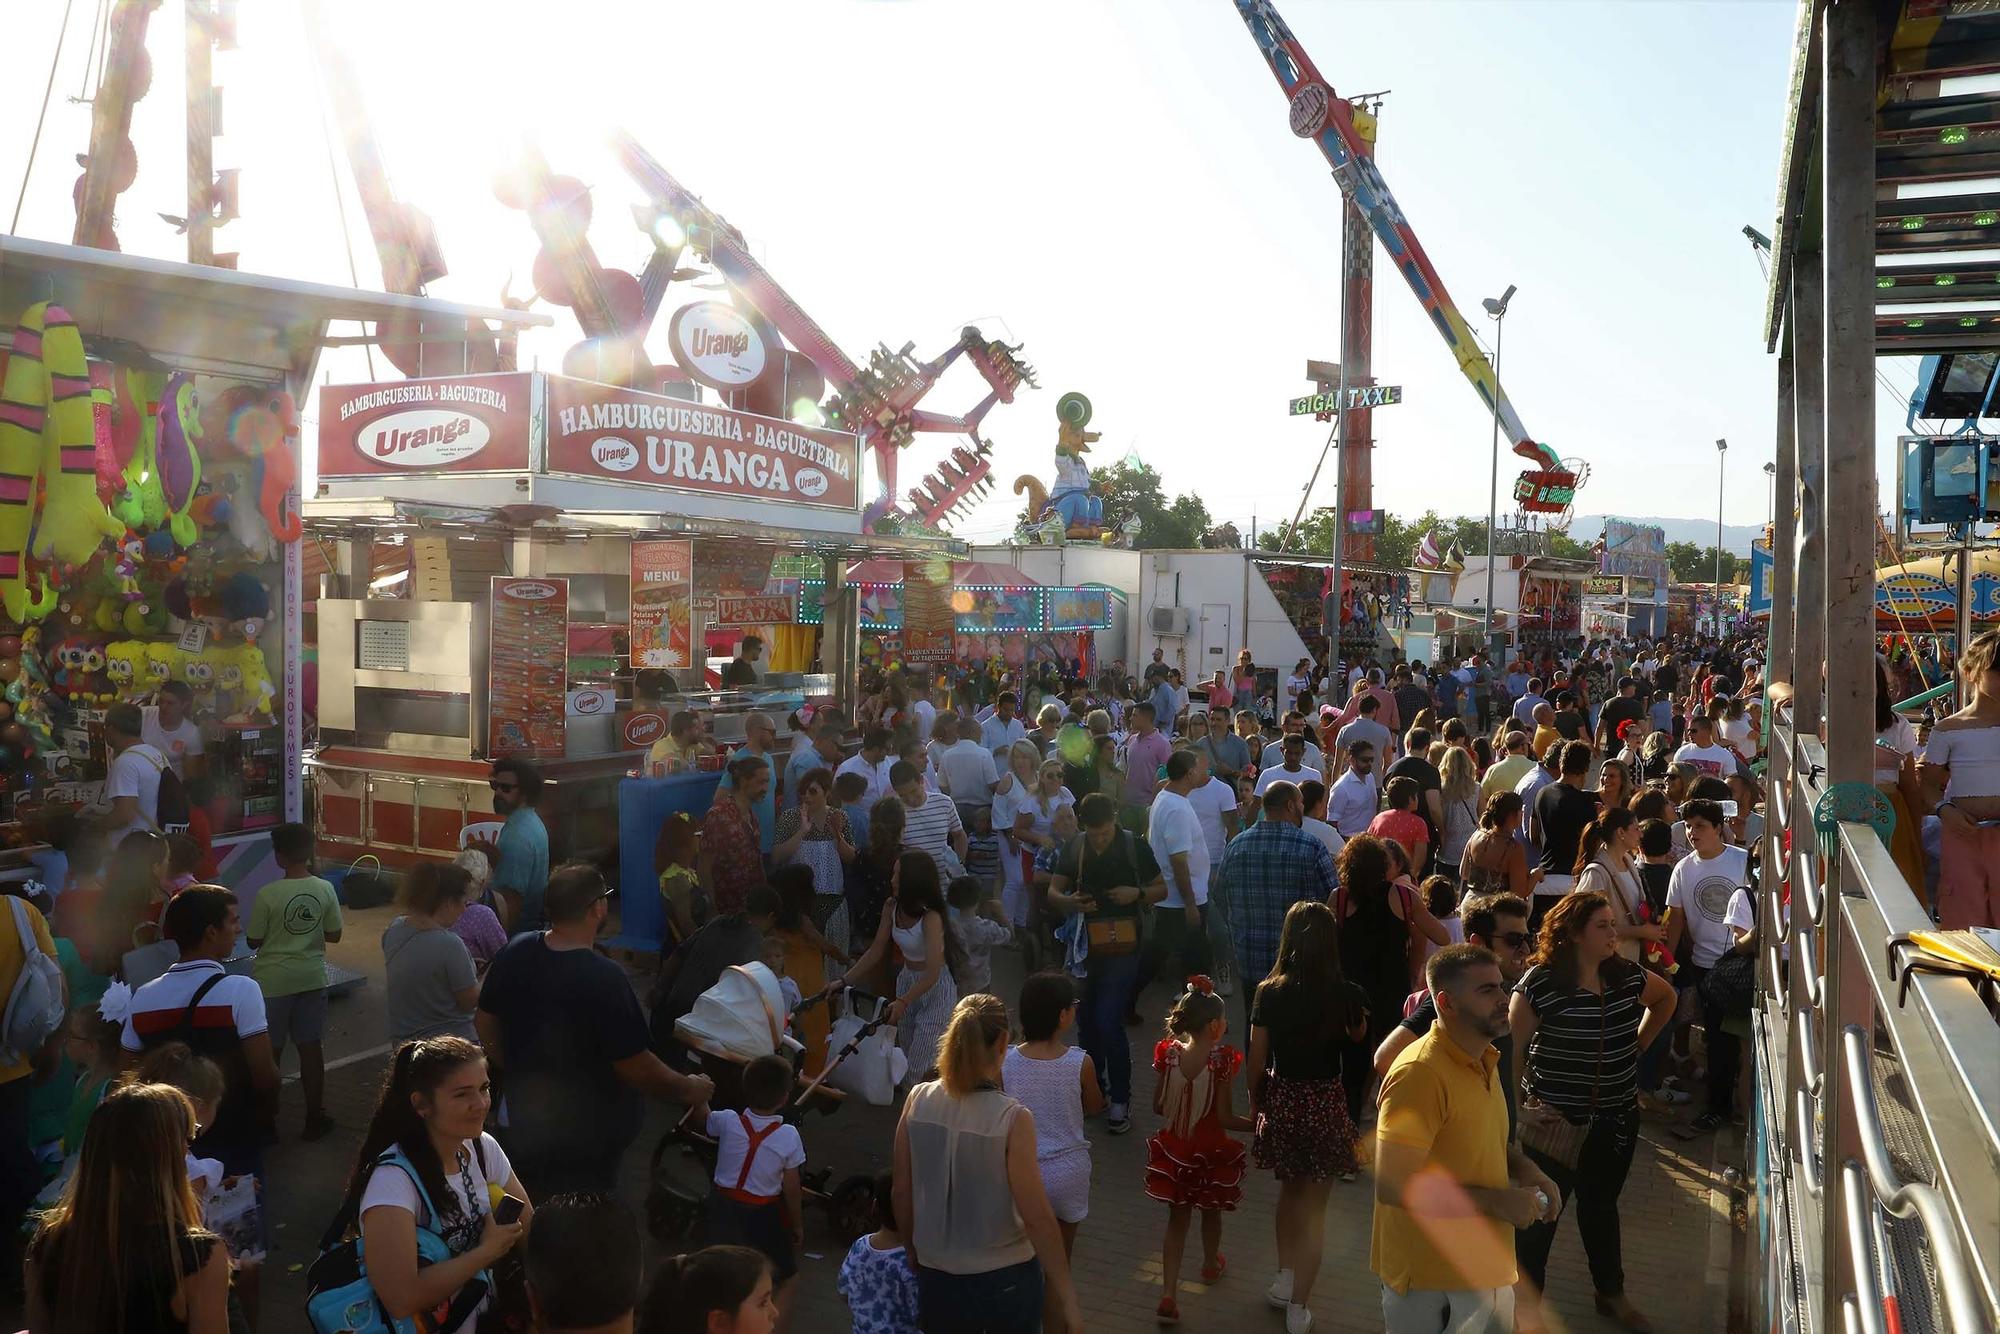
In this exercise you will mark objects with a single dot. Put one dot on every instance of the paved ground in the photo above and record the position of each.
(1676, 1254)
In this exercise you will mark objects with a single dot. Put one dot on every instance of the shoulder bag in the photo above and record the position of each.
(1110, 937)
(340, 1298)
(1548, 1130)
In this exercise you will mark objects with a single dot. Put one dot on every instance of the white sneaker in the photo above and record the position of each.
(1298, 1319)
(1279, 1294)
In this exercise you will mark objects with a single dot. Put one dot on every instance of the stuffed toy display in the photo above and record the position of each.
(73, 522)
(24, 399)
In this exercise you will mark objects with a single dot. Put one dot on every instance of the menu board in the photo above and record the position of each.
(527, 667)
(928, 617)
(662, 591)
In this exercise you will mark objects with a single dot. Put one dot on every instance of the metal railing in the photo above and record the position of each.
(1874, 1151)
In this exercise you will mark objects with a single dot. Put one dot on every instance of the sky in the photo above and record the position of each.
(1110, 182)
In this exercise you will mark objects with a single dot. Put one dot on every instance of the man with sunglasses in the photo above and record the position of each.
(1498, 922)
(520, 854)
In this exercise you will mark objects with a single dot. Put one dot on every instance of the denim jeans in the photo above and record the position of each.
(999, 1301)
(1108, 990)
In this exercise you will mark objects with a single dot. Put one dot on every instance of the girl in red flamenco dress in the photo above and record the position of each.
(1192, 1163)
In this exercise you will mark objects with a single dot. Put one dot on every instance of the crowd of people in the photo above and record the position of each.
(1481, 918)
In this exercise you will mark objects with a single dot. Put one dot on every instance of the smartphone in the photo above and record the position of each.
(508, 1211)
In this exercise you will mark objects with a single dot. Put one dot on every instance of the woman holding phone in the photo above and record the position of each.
(427, 1160)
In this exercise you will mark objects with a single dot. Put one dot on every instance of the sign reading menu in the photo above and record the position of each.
(662, 589)
(527, 667)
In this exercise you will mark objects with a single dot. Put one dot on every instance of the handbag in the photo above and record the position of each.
(876, 1066)
(1110, 937)
(1548, 1130)
(340, 1298)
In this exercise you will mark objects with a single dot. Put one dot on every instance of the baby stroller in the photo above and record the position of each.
(739, 1019)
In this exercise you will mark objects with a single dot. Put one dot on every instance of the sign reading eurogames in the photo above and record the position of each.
(1358, 396)
(1545, 490)
(607, 433)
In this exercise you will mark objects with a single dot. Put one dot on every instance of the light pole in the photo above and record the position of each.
(1721, 451)
(1771, 484)
(1496, 310)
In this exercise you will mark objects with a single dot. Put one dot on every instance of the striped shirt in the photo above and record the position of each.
(1586, 1047)
(929, 827)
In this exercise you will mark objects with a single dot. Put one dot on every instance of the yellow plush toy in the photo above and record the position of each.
(24, 398)
(124, 663)
(74, 522)
(198, 670)
(162, 665)
(257, 689)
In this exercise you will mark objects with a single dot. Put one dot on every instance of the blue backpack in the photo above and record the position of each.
(341, 1300)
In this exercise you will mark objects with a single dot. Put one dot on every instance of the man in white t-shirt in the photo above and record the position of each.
(1216, 806)
(1291, 768)
(133, 785)
(872, 763)
(1700, 888)
(169, 730)
(1704, 752)
(1003, 729)
(1700, 894)
(1181, 849)
(965, 768)
(1273, 754)
(1315, 795)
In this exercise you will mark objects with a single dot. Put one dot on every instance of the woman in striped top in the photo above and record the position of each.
(1582, 1015)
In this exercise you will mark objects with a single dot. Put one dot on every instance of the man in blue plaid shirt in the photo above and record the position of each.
(1265, 870)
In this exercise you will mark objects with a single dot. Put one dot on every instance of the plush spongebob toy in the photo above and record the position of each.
(124, 666)
(73, 522)
(257, 689)
(161, 666)
(198, 670)
(24, 398)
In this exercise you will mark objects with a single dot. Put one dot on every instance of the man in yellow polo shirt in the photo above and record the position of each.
(1450, 1190)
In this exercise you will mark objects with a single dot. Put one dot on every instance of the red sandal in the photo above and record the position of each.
(1168, 1312)
(1213, 1274)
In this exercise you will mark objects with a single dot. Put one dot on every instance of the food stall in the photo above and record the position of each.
(530, 565)
(995, 613)
(149, 522)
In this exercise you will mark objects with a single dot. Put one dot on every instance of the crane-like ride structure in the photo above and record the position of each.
(1330, 121)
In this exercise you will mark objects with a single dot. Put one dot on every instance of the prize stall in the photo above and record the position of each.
(150, 529)
(933, 612)
(547, 568)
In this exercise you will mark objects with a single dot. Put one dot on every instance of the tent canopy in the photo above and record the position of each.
(964, 574)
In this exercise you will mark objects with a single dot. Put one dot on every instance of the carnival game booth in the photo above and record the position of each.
(534, 566)
(934, 611)
(149, 524)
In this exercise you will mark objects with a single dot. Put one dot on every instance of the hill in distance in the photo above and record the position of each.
(1736, 537)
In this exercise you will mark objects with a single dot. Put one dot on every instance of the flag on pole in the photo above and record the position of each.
(1427, 552)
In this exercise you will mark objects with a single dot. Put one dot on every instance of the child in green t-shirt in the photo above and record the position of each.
(294, 920)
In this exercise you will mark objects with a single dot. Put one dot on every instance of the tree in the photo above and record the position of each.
(1691, 564)
(1130, 489)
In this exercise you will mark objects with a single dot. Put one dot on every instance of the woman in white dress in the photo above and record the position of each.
(928, 955)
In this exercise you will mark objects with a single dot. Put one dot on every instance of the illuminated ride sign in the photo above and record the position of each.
(1358, 396)
(1545, 490)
